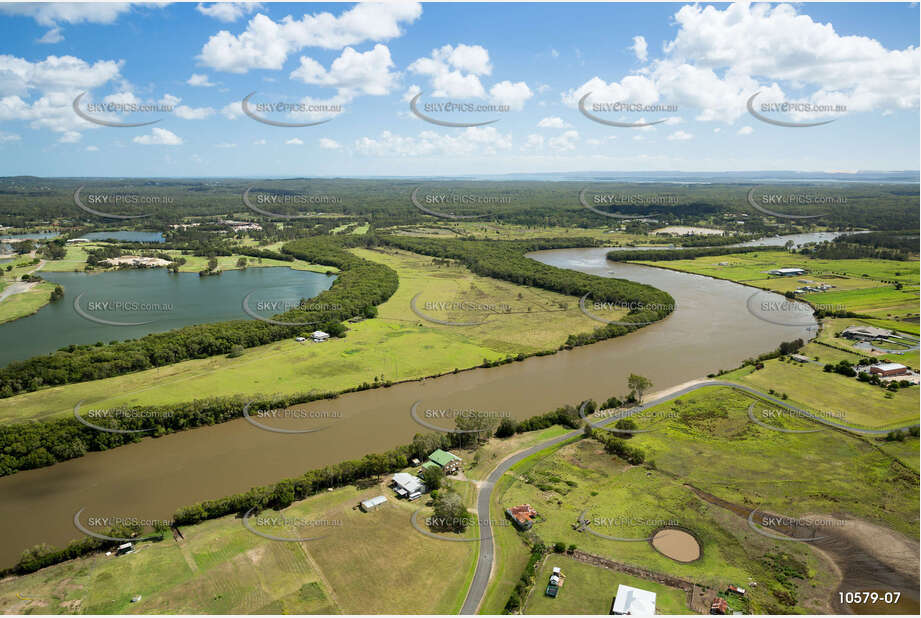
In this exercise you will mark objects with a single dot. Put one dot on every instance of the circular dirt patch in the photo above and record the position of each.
(677, 544)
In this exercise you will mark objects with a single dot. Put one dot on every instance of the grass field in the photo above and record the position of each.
(861, 285)
(507, 231)
(25, 303)
(589, 589)
(809, 387)
(847, 476)
(366, 564)
(398, 345)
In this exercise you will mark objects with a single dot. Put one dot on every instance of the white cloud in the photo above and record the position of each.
(411, 92)
(158, 137)
(9, 137)
(259, 142)
(52, 36)
(266, 44)
(329, 144)
(70, 137)
(513, 95)
(680, 136)
(456, 71)
(721, 56)
(227, 11)
(192, 113)
(470, 141)
(553, 122)
(169, 99)
(42, 93)
(746, 130)
(232, 110)
(199, 79)
(92, 148)
(352, 73)
(534, 142)
(225, 145)
(295, 141)
(554, 53)
(639, 48)
(564, 142)
(53, 13)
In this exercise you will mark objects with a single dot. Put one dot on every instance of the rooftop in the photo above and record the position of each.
(443, 458)
(636, 601)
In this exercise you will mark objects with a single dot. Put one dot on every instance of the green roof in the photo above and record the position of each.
(443, 458)
(430, 464)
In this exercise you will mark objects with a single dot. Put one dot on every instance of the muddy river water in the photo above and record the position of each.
(710, 330)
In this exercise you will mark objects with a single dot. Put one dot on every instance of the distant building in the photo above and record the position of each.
(787, 272)
(124, 548)
(866, 333)
(319, 335)
(408, 486)
(449, 462)
(76, 240)
(719, 607)
(522, 516)
(372, 503)
(889, 369)
(633, 601)
(799, 358)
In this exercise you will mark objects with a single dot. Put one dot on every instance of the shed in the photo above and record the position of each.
(372, 503)
(408, 486)
(319, 335)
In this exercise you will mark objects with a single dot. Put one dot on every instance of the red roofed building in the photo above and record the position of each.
(719, 606)
(522, 516)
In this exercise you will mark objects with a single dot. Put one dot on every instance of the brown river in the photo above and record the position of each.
(710, 330)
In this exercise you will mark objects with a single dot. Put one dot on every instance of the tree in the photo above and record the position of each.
(450, 512)
(476, 424)
(507, 428)
(432, 476)
(241, 263)
(638, 385)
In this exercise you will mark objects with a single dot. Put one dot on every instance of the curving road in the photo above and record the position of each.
(485, 559)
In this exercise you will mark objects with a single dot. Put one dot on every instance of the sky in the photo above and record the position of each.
(188, 66)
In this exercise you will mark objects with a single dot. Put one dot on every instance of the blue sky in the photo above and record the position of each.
(199, 60)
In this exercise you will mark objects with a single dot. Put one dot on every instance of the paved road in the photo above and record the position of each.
(19, 287)
(487, 548)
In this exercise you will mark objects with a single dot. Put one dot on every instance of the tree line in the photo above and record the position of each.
(360, 284)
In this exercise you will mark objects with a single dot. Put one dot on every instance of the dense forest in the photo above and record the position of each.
(30, 202)
(360, 284)
(663, 255)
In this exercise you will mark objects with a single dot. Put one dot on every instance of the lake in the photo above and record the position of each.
(165, 300)
(125, 236)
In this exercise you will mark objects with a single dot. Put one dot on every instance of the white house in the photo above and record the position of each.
(408, 486)
(633, 601)
(787, 272)
(319, 335)
(372, 503)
